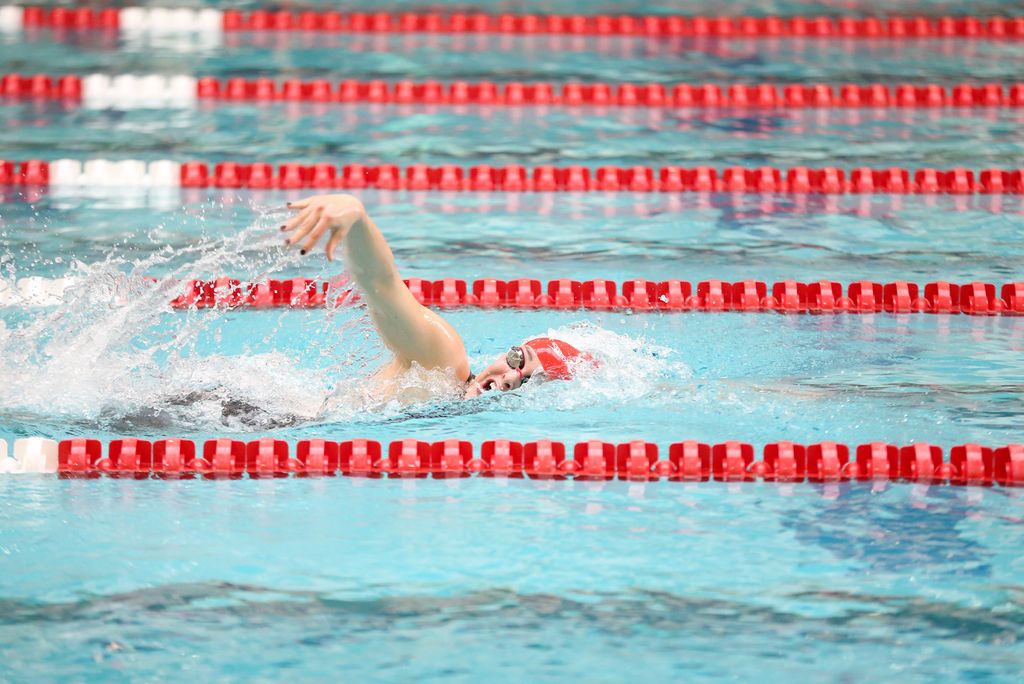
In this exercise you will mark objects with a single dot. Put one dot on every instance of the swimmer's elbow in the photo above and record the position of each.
(381, 279)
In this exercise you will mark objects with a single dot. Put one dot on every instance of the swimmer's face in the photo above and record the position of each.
(499, 376)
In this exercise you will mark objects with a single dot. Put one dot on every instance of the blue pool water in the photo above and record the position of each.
(524, 135)
(517, 57)
(496, 580)
(442, 581)
(753, 377)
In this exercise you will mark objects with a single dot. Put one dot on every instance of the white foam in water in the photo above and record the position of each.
(110, 352)
(251, 392)
(38, 291)
(628, 368)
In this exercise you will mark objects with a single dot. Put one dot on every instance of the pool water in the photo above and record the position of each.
(278, 132)
(757, 377)
(513, 580)
(509, 580)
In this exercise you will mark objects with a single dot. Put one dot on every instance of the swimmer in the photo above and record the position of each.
(411, 331)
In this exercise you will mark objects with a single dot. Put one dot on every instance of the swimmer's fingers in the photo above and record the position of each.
(297, 220)
(332, 244)
(317, 232)
(301, 204)
(303, 228)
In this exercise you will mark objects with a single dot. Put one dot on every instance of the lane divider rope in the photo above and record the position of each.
(688, 461)
(788, 296)
(512, 178)
(155, 90)
(165, 20)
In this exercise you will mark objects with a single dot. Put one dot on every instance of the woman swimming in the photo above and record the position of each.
(414, 333)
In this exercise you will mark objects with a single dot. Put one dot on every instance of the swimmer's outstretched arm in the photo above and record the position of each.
(413, 332)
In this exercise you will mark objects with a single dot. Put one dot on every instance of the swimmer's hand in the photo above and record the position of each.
(320, 214)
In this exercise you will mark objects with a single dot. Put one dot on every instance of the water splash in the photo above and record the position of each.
(112, 354)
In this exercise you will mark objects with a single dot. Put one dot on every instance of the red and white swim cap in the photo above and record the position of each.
(558, 359)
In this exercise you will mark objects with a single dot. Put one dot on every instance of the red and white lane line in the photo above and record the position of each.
(33, 291)
(512, 178)
(128, 91)
(592, 460)
(96, 173)
(789, 296)
(748, 296)
(127, 19)
(166, 20)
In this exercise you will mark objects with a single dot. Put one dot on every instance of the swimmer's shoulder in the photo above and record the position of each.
(412, 384)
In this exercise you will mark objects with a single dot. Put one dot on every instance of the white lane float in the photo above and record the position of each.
(124, 173)
(11, 18)
(7, 464)
(31, 455)
(164, 20)
(135, 91)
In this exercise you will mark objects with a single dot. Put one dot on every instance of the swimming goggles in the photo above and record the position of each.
(516, 360)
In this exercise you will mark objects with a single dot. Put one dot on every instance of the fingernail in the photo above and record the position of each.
(287, 241)
(302, 252)
(282, 227)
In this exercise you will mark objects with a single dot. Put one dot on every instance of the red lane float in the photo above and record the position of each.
(514, 178)
(64, 18)
(594, 460)
(787, 297)
(681, 95)
(893, 27)
(606, 25)
(687, 95)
